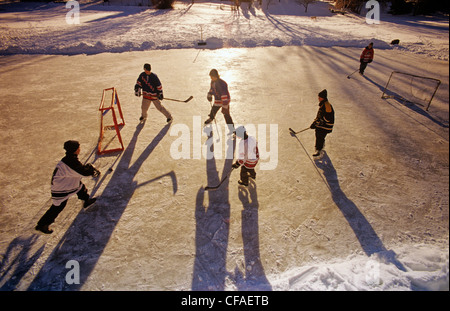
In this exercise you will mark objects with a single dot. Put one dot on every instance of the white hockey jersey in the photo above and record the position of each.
(66, 179)
(248, 152)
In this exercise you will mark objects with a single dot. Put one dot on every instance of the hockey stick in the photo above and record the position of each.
(216, 187)
(217, 128)
(178, 100)
(315, 166)
(294, 132)
(348, 77)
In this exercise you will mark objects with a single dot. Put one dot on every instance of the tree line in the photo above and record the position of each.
(398, 7)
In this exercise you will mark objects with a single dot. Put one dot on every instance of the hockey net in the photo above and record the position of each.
(111, 122)
(411, 88)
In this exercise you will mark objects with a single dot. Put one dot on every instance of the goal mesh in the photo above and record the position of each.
(411, 88)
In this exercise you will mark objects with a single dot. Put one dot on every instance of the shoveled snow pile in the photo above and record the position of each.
(418, 268)
(38, 28)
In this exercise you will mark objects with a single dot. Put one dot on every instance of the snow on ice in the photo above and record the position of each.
(372, 214)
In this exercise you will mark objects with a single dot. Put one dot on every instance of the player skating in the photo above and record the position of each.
(66, 182)
(149, 85)
(248, 156)
(323, 123)
(366, 57)
(219, 89)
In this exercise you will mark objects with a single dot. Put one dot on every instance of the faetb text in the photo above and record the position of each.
(247, 300)
(235, 300)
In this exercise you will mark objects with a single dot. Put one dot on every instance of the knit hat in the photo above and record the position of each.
(214, 73)
(71, 146)
(323, 94)
(147, 67)
(240, 132)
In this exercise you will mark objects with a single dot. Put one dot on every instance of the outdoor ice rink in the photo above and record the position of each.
(378, 198)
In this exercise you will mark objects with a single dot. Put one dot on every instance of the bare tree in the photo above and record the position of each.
(163, 4)
(305, 3)
(351, 5)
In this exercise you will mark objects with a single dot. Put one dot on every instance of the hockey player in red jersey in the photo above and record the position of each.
(219, 89)
(366, 57)
(66, 182)
(248, 155)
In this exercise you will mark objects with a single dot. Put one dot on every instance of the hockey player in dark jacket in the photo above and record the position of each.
(66, 182)
(219, 90)
(149, 86)
(324, 122)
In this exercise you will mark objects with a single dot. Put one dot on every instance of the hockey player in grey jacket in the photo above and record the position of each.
(66, 182)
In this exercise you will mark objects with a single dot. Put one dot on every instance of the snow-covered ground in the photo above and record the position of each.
(371, 215)
(38, 28)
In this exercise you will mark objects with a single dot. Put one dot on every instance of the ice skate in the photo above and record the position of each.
(318, 154)
(241, 183)
(44, 229)
(89, 202)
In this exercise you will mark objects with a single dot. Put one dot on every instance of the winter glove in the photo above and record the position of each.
(160, 96)
(313, 126)
(97, 173)
(137, 90)
(209, 97)
(235, 165)
(369, 61)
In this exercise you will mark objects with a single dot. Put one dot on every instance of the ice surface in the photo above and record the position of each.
(371, 215)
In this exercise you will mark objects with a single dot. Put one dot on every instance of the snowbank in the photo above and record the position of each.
(37, 28)
(423, 268)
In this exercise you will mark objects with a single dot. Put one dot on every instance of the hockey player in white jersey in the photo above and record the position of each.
(66, 182)
(248, 156)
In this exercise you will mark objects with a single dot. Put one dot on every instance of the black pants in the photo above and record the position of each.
(246, 172)
(226, 114)
(362, 67)
(320, 138)
(53, 212)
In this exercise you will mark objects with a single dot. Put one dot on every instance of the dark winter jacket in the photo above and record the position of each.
(150, 85)
(367, 55)
(219, 89)
(66, 178)
(325, 117)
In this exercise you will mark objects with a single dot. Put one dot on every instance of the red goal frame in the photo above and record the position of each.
(104, 110)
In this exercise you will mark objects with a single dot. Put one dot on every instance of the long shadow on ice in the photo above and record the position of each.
(90, 232)
(212, 229)
(366, 235)
(255, 278)
(21, 255)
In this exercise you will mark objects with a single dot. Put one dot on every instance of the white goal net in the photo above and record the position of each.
(411, 88)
